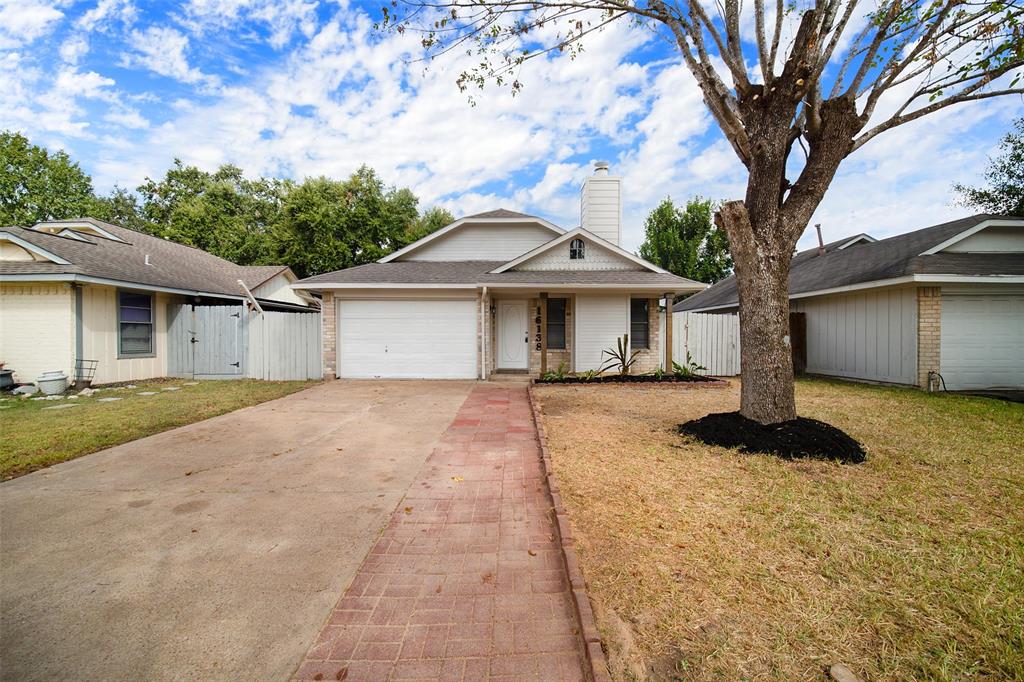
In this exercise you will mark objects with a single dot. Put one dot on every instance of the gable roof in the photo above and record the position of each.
(500, 216)
(579, 232)
(473, 274)
(905, 255)
(124, 258)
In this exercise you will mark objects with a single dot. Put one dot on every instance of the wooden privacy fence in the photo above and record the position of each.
(712, 341)
(231, 342)
(283, 346)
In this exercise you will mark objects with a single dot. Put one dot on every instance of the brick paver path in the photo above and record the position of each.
(467, 581)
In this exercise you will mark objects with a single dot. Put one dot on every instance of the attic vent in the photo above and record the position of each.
(147, 260)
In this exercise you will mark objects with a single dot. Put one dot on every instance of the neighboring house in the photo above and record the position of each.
(948, 299)
(87, 290)
(499, 292)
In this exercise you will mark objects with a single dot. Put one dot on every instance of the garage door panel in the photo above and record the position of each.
(982, 341)
(407, 339)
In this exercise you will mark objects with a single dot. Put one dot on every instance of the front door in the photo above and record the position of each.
(513, 335)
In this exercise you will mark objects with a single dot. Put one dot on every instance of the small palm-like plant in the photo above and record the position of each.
(558, 374)
(620, 358)
(689, 369)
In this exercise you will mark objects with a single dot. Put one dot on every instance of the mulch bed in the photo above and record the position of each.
(795, 439)
(635, 379)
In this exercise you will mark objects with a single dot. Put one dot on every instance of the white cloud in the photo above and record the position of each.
(23, 21)
(106, 14)
(73, 49)
(162, 49)
(283, 18)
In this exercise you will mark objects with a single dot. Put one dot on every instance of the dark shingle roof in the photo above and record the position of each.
(885, 259)
(478, 272)
(172, 265)
(500, 213)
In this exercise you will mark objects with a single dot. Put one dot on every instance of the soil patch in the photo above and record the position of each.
(795, 439)
(634, 379)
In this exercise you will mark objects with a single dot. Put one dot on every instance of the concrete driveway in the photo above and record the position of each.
(213, 551)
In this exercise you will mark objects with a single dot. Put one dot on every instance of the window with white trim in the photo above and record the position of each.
(639, 323)
(577, 249)
(134, 324)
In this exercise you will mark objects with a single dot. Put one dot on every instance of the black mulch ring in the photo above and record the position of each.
(631, 379)
(798, 438)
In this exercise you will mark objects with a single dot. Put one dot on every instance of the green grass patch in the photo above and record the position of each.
(33, 437)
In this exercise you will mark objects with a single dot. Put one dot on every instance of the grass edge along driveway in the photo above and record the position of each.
(710, 564)
(35, 437)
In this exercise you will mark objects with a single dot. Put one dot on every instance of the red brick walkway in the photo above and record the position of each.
(467, 581)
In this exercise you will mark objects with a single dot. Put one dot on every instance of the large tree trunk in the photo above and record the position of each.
(762, 278)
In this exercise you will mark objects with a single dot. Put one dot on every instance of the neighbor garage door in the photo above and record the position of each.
(982, 341)
(407, 339)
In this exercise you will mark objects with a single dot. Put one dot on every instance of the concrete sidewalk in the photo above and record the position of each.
(214, 551)
(467, 582)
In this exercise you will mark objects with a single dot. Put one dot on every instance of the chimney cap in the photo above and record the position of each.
(601, 167)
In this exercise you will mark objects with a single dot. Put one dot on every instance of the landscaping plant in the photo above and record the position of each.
(620, 358)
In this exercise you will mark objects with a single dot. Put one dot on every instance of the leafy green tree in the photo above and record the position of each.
(433, 219)
(121, 207)
(330, 224)
(37, 185)
(1004, 194)
(222, 212)
(686, 241)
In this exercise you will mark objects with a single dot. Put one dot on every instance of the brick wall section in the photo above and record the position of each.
(650, 358)
(929, 332)
(329, 330)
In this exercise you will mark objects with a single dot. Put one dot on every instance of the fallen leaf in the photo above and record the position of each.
(457, 479)
(188, 473)
(531, 552)
(408, 510)
(342, 674)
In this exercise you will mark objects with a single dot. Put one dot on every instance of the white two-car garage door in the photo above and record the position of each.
(407, 339)
(982, 341)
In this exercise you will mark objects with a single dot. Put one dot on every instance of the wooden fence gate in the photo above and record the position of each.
(231, 342)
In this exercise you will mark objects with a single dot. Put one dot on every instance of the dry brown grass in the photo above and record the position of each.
(709, 564)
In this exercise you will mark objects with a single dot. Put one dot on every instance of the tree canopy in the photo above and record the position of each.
(1004, 192)
(36, 185)
(316, 225)
(686, 242)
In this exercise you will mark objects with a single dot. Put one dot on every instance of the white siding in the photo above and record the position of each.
(277, 289)
(37, 329)
(99, 337)
(601, 207)
(599, 320)
(995, 239)
(596, 257)
(503, 241)
(870, 335)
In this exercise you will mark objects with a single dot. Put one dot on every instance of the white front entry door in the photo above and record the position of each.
(513, 335)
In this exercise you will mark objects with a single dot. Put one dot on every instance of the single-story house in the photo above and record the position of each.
(499, 292)
(87, 290)
(944, 304)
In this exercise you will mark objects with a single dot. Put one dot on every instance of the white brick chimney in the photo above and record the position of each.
(601, 204)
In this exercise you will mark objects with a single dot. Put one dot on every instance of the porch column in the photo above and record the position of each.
(543, 332)
(669, 302)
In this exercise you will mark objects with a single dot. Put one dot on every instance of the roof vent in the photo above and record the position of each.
(147, 260)
(601, 168)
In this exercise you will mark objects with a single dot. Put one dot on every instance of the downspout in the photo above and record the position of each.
(483, 334)
(79, 331)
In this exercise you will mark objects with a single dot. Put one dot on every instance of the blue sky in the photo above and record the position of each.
(295, 88)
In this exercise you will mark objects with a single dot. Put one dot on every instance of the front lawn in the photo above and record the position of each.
(32, 437)
(708, 564)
